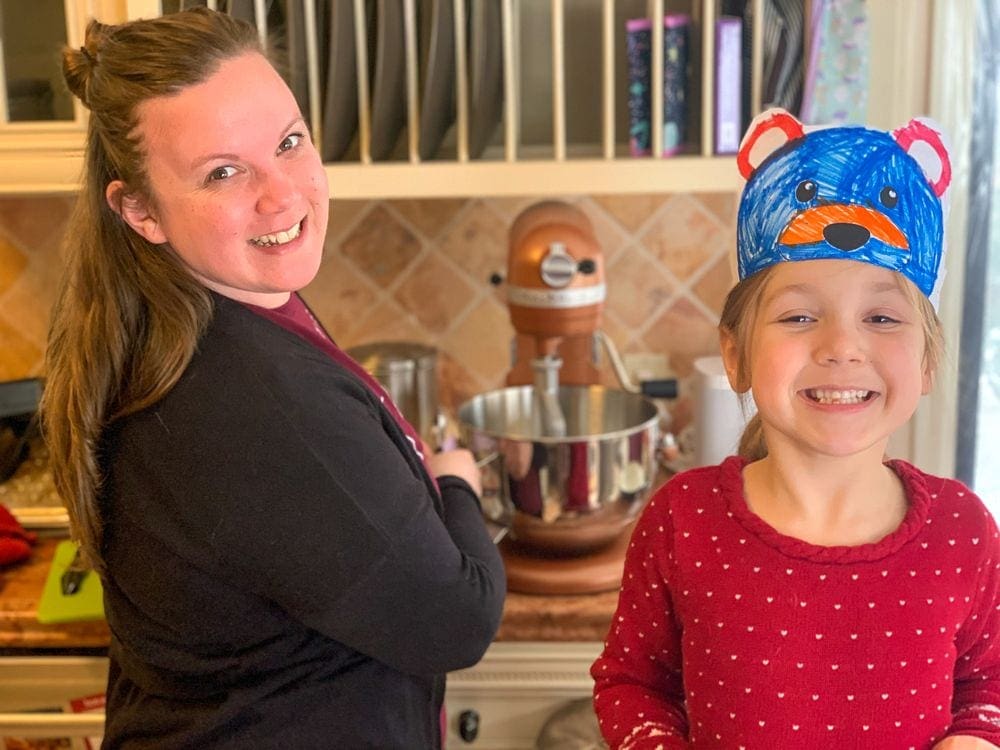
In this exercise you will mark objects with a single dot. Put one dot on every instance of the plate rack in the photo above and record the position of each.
(561, 126)
(556, 14)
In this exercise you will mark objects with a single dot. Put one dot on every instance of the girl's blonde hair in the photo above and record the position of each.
(739, 317)
(128, 314)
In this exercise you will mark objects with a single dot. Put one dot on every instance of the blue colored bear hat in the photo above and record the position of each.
(844, 192)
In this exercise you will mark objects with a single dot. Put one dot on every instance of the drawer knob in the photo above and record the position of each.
(468, 725)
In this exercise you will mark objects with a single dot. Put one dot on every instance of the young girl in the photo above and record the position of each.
(808, 592)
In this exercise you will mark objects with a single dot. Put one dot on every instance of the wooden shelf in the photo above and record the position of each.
(58, 171)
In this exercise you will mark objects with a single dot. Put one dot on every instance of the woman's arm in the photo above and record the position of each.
(286, 483)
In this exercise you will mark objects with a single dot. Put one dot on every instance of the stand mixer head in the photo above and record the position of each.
(555, 294)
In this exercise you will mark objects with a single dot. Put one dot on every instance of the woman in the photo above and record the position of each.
(284, 565)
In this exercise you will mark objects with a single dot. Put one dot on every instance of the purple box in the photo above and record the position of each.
(728, 83)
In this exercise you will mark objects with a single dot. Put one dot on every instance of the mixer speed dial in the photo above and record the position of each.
(558, 267)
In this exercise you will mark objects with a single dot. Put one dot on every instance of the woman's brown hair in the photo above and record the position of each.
(739, 316)
(128, 315)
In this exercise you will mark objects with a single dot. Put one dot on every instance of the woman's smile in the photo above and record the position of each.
(282, 237)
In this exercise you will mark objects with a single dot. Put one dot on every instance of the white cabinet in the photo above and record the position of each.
(562, 136)
(513, 690)
(35, 693)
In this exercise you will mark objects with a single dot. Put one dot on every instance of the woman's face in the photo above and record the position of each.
(238, 189)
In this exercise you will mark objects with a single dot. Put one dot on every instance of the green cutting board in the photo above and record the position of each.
(85, 604)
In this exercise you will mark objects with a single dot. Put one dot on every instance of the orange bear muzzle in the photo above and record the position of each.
(852, 224)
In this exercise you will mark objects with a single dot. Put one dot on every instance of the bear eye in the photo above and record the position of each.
(888, 197)
(805, 191)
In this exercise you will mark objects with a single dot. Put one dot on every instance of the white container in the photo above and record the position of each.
(719, 417)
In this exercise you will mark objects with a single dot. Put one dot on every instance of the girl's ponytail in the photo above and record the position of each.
(736, 324)
(752, 446)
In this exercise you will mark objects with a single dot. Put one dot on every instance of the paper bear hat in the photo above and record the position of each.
(844, 192)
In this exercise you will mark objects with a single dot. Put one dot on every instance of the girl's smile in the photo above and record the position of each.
(838, 395)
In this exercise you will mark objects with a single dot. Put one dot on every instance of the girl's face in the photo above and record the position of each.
(238, 189)
(836, 357)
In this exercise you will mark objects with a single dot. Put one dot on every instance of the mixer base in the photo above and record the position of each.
(529, 572)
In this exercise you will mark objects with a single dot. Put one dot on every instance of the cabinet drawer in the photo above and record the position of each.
(515, 689)
(35, 693)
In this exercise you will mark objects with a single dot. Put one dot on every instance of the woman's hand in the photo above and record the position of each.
(964, 742)
(458, 463)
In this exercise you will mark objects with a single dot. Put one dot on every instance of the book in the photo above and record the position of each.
(728, 84)
(675, 82)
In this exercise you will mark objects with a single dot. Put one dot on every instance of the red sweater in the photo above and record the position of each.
(729, 634)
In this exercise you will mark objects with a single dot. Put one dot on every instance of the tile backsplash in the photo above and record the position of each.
(420, 270)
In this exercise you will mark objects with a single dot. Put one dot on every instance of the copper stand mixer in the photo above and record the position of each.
(571, 462)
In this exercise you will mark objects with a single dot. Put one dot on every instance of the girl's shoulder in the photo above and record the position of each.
(710, 478)
(949, 500)
(700, 490)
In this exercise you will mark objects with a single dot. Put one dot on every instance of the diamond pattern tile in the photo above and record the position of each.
(637, 287)
(481, 341)
(386, 322)
(381, 246)
(21, 357)
(631, 211)
(722, 205)
(34, 223)
(429, 217)
(477, 243)
(343, 214)
(684, 236)
(339, 294)
(456, 384)
(435, 294)
(685, 332)
(418, 270)
(611, 238)
(713, 287)
(13, 262)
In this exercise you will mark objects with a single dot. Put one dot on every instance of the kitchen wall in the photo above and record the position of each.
(419, 270)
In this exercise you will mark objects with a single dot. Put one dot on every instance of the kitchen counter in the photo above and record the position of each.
(583, 617)
(20, 589)
(526, 617)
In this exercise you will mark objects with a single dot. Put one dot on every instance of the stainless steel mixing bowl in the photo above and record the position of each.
(566, 495)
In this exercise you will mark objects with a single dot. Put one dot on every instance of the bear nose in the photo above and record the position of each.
(845, 236)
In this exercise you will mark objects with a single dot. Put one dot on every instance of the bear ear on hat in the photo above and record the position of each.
(769, 131)
(921, 139)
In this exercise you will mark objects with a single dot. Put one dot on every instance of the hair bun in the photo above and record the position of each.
(79, 64)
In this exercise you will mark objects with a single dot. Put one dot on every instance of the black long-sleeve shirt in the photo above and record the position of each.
(282, 570)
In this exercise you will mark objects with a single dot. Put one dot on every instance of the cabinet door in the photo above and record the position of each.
(32, 85)
(504, 701)
(33, 96)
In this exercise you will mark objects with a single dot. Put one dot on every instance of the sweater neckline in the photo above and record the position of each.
(918, 498)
